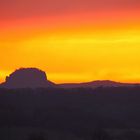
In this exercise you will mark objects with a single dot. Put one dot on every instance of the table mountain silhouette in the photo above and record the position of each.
(27, 78)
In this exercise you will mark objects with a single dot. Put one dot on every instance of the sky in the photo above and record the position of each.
(71, 40)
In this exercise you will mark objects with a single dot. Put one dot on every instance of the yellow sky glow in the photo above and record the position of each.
(102, 49)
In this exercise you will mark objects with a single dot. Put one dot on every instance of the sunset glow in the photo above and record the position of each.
(78, 44)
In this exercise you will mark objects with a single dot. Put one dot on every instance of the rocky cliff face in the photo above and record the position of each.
(27, 78)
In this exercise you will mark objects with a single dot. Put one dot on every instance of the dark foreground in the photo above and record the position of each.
(70, 114)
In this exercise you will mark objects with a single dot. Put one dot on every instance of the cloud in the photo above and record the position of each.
(28, 8)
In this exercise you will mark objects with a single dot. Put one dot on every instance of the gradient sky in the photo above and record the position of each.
(72, 40)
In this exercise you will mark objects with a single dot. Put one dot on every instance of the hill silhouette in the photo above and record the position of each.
(84, 114)
(27, 78)
(95, 84)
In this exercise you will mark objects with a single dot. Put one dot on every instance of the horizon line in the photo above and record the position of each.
(73, 82)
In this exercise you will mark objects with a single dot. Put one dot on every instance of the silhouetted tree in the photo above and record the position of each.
(101, 135)
(40, 136)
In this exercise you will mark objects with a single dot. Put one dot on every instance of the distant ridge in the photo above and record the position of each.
(36, 78)
(95, 84)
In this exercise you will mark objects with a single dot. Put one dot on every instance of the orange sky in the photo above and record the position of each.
(73, 41)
